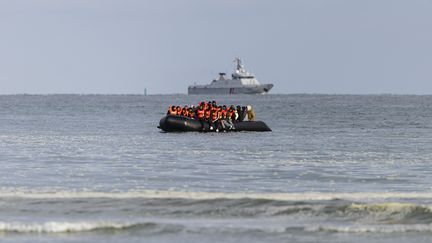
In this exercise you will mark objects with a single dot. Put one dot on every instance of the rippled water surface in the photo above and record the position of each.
(336, 168)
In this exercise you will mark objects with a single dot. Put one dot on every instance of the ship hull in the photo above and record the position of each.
(172, 123)
(256, 89)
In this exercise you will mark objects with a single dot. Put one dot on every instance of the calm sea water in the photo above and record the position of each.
(336, 168)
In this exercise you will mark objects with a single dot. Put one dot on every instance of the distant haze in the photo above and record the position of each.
(301, 46)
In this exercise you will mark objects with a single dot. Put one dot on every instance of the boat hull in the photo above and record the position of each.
(172, 123)
(207, 89)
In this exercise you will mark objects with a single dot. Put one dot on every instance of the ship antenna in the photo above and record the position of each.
(239, 64)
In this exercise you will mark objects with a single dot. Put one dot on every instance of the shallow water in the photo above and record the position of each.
(336, 168)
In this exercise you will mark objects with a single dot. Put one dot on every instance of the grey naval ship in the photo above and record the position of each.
(241, 82)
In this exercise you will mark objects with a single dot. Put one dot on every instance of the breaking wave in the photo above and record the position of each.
(420, 228)
(173, 211)
(57, 227)
(389, 207)
(74, 227)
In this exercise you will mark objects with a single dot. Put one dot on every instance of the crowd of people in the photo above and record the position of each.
(219, 117)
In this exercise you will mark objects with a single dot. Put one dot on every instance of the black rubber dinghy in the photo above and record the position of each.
(172, 123)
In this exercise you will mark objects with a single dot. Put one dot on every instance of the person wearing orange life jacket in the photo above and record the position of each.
(202, 103)
(229, 118)
(201, 115)
(207, 113)
(232, 113)
(226, 121)
(222, 117)
(179, 111)
(185, 111)
(212, 116)
(219, 112)
(216, 117)
(172, 110)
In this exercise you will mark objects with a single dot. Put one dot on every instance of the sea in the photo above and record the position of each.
(335, 168)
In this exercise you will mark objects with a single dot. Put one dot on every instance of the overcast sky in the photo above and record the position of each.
(301, 46)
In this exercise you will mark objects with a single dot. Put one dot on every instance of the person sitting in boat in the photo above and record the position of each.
(178, 111)
(214, 118)
(241, 111)
(250, 113)
(235, 115)
(191, 113)
(207, 116)
(172, 110)
(222, 117)
(185, 111)
(200, 104)
(228, 124)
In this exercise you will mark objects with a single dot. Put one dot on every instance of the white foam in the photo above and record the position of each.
(306, 196)
(372, 229)
(59, 227)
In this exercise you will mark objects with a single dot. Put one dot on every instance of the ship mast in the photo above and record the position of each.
(240, 67)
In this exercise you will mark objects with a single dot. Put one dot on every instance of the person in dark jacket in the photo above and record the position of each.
(241, 113)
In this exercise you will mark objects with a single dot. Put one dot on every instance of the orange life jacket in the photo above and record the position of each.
(185, 112)
(223, 114)
(207, 114)
(219, 113)
(200, 113)
(215, 114)
(230, 114)
(172, 110)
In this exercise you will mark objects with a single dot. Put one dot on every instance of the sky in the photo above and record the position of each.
(301, 46)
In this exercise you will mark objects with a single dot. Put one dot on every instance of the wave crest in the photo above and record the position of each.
(421, 228)
(73, 227)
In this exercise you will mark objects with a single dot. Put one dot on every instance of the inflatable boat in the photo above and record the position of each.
(172, 123)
